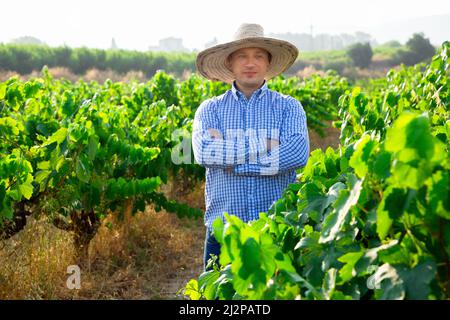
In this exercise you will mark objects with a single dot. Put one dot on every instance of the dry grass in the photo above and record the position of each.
(102, 75)
(378, 69)
(155, 258)
(34, 262)
(309, 71)
(5, 75)
(91, 75)
(153, 261)
(331, 138)
(355, 73)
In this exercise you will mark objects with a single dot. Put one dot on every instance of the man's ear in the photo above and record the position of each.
(228, 62)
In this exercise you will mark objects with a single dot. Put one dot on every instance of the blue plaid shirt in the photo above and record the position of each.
(242, 177)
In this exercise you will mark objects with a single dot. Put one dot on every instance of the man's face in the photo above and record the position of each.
(249, 66)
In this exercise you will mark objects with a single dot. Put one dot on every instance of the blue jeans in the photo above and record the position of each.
(211, 247)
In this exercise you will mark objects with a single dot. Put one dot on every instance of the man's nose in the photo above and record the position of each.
(250, 62)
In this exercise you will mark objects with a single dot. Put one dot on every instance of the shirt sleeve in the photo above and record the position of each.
(293, 150)
(211, 152)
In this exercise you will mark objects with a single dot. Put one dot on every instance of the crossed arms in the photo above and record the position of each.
(251, 152)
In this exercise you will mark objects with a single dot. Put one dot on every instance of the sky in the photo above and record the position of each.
(138, 24)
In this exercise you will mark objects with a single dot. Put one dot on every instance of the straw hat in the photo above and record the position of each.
(211, 62)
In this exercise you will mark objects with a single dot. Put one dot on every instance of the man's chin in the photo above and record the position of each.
(249, 82)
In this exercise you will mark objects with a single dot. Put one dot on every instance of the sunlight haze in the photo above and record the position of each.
(137, 24)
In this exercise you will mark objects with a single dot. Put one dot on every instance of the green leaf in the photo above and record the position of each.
(332, 195)
(360, 158)
(82, 168)
(438, 194)
(60, 162)
(9, 126)
(93, 196)
(411, 139)
(42, 175)
(288, 240)
(311, 199)
(391, 207)
(151, 184)
(15, 194)
(58, 137)
(251, 257)
(283, 262)
(338, 295)
(348, 270)
(392, 99)
(26, 189)
(382, 165)
(208, 284)
(335, 220)
(407, 176)
(191, 290)
(111, 189)
(218, 227)
(384, 223)
(2, 91)
(2, 190)
(418, 280)
(370, 256)
(68, 106)
(311, 241)
(7, 211)
(92, 146)
(43, 165)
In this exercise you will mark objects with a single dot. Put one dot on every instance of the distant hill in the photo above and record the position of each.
(324, 41)
(436, 28)
(27, 40)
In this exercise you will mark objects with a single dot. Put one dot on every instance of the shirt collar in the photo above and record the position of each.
(259, 92)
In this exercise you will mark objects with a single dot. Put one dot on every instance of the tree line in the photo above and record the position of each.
(418, 49)
(26, 58)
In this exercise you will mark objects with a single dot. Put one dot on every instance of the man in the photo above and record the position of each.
(250, 139)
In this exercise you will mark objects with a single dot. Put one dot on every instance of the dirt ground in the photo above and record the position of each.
(154, 260)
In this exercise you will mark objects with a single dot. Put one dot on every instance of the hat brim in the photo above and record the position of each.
(211, 62)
